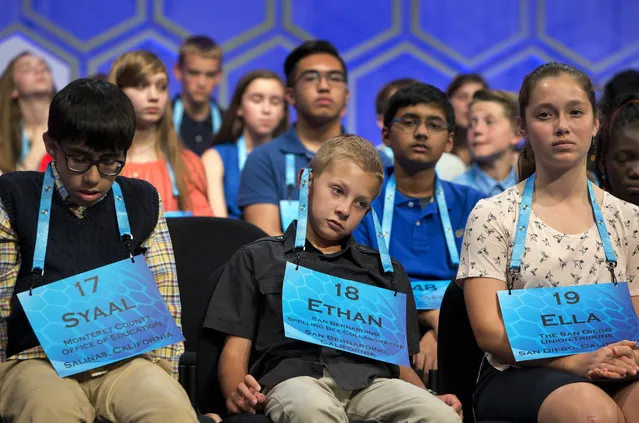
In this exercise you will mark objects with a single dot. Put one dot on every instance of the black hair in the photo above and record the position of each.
(306, 49)
(463, 79)
(419, 93)
(620, 85)
(95, 113)
(526, 165)
(383, 95)
(623, 110)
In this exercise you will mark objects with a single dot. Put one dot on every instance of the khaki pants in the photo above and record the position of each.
(136, 391)
(306, 399)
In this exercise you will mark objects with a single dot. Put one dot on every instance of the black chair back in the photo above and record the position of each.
(201, 245)
(458, 356)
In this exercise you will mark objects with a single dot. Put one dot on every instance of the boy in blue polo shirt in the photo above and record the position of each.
(422, 216)
(317, 88)
(492, 138)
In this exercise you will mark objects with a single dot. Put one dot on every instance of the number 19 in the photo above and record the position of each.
(571, 297)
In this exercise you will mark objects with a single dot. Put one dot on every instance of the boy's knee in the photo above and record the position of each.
(437, 410)
(51, 405)
(32, 391)
(301, 400)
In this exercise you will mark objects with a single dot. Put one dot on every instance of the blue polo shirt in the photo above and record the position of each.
(482, 182)
(264, 175)
(229, 155)
(417, 237)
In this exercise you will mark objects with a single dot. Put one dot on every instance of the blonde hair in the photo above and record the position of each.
(199, 45)
(507, 100)
(133, 68)
(10, 118)
(351, 148)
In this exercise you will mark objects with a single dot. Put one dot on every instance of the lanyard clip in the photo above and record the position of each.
(514, 275)
(611, 266)
(127, 238)
(37, 274)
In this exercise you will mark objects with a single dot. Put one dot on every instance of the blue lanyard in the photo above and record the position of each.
(302, 220)
(174, 187)
(26, 146)
(241, 152)
(44, 218)
(389, 208)
(290, 174)
(178, 113)
(522, 227)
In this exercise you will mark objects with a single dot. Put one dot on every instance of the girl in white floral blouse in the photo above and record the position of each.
(562, 246)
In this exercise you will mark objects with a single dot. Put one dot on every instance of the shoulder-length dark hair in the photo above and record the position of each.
(233, 125)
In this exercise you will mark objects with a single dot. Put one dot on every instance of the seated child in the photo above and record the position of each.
(423, 230)
(493, 138)
(295, 378)
(449, 165)
(90, 128)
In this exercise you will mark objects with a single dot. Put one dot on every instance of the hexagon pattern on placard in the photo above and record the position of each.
(380, 40)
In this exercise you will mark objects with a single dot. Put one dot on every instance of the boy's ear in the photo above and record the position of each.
(386, 135)
(177, 72)
(450, 142)
(49, 144)
(289, 93)
(218, 77)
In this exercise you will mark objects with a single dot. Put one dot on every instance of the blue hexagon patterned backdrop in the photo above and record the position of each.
(380, 39)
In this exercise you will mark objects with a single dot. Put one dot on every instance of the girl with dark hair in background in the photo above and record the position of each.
(617, 161)
(257, 114)
(460, 93)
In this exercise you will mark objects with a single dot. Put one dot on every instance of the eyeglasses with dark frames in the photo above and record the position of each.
(79, 163)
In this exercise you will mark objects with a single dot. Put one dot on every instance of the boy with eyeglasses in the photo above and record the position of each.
(317, 88)
(76, 220)
(422, 216)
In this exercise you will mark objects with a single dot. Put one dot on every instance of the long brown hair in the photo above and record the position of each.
(129, 70)
(10, 117)
(233, 125)
(526, 163)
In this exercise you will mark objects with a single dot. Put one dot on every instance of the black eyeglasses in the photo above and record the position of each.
(80, 164)
(312, 77)
(410, 123)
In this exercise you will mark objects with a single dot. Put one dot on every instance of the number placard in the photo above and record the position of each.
(345, 315)
(100, 317)
(428, 294)
(555, 322)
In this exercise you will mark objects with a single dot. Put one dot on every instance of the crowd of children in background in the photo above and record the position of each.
(442, 191)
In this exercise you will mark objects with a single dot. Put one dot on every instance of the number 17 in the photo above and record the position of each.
(95, 285)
